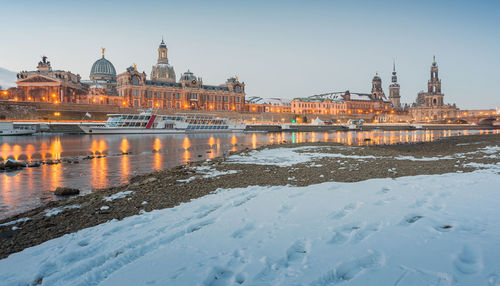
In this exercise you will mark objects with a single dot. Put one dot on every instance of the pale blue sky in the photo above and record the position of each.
(279, 48)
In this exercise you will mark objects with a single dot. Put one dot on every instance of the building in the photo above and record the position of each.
(162, 91)
(103, 74)
(46, 84)
(394, 96)
(163, 71)
(345, 102)
(429, 106)
(277, 105)
(318, 105)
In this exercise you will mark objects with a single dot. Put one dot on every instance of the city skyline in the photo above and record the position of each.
(278, 50)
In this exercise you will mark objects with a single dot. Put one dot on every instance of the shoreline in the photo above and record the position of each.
(171, 187)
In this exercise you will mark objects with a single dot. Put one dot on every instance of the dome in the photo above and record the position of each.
(377, 78)
(103, 67)
(189, 76)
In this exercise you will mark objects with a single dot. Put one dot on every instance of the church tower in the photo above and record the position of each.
(163, 71)
(394, 96)
(377, 92)
(434, 96)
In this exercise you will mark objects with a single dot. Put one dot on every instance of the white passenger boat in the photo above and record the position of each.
(207, 123)
(149, 123)
(7, 128)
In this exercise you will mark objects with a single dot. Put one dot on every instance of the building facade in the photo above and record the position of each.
(48, 85)
(429, 106)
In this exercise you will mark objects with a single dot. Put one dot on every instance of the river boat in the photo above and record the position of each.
(7, 128)
(149, 123)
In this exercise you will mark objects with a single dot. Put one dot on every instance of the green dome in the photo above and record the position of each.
(103, 67)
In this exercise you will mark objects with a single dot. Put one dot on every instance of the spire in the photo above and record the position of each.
(103, 49)
(434, 60)
(393, 65)
(162, 44)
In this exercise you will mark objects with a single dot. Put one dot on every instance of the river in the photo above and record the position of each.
(31, 187)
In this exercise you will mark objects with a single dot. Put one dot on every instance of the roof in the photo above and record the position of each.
(103, 67)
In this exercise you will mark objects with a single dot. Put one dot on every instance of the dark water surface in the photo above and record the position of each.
(31, 187)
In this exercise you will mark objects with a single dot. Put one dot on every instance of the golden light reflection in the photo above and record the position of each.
(124, 145)
(30, 150)
(5, 151)
(186, 144)
(16, 151)
(56, 148)
(254, 141)
(125, 168)
(234, 140)
(157, 158)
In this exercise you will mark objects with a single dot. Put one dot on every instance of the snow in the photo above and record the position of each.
(206, 172)
(104, 208)
(15, 221)
(421, 230)
(286, 157)
(116, 196)
(58, 210)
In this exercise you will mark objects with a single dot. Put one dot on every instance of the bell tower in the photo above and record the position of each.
(434, 96)
(394, 96)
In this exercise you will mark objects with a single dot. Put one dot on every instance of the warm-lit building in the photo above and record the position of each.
(429, 106)
(276, 105)
(318, 105)
(162, 91)
(345, 102)
(49, 85)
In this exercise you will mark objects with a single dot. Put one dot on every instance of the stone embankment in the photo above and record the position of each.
(169, 188)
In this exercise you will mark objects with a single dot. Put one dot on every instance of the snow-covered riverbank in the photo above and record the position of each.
(420, 230)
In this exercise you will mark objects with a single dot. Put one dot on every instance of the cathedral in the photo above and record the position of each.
(429, 106)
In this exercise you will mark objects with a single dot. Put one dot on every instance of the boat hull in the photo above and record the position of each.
(106, 130)
(17, 132)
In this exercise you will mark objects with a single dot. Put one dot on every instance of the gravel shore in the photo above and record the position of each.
(181, 184)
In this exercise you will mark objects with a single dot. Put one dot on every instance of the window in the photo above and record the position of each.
(177, 96)
(150, 103)
(218, 98)
(135, 92)
(135, 80)
(169, 104)
(136, 102)
(150, 94)
(158, 95)
(177, 105)
(168, 96)
(225, 98)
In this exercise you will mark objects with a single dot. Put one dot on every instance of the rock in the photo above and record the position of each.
(34, 164)
(64, 191)
(13, 164)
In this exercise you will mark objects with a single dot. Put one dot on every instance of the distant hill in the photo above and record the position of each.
(7, 78)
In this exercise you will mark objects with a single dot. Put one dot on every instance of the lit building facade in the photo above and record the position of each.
(163, 91)
(48, 85)
(345, 102)
(429, 106)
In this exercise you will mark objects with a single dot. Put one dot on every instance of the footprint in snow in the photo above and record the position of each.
(468, 261)
(411, 219)
(348, 270)
(349, 208)
(243, 231)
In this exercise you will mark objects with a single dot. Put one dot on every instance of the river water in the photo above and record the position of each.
(31, 187)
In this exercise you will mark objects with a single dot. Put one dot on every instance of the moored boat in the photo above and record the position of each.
(7, 128)
(149, 123)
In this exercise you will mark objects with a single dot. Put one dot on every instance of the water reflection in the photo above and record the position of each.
(137, 154)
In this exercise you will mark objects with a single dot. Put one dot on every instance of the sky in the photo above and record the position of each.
(278, 48)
